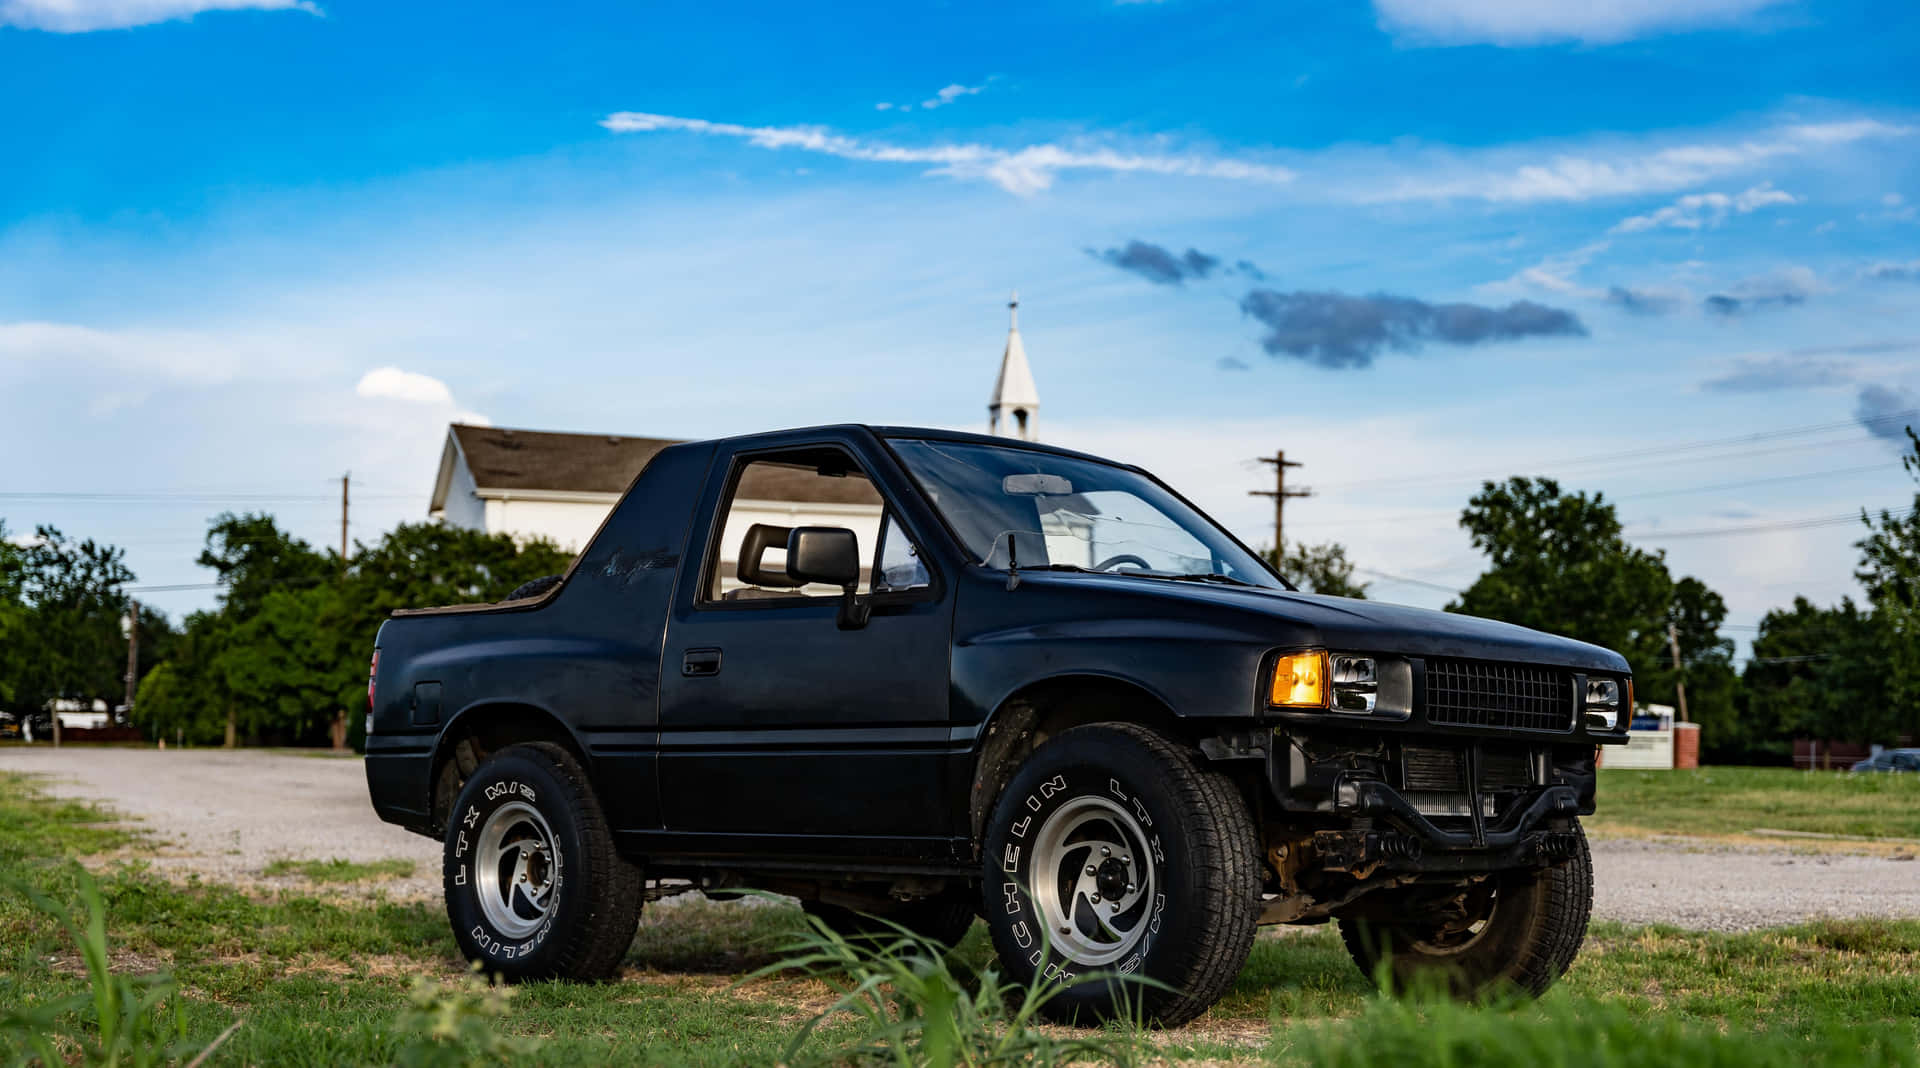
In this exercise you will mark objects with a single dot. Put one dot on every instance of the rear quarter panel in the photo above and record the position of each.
(588, 655)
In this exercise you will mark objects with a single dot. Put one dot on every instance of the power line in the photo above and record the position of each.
(1760, 528)
(1408, 581)
(1656, 450)
(1710, 488)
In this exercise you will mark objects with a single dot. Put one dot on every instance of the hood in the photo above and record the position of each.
(1345, 623)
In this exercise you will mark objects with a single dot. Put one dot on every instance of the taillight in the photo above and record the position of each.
(373, 672)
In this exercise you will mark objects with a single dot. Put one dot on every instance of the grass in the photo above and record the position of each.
(1735, 802)
(317, 981)
(341, 870)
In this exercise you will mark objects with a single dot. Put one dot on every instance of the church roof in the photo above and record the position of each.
(1014, 388)
(505, 461)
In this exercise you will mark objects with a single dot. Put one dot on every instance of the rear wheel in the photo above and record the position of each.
(534, 887)
(1111, 854)
(1515, 931)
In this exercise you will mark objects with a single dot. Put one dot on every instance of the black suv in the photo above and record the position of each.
(988, 679)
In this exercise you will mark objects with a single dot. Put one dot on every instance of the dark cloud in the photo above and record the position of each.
(1895, 272)
(1782, 290)
(1859, 348)
(1723, 305)
(1761, 376)
(1337, 330)
(1158, 265)
(1641, 301)
(1246, 267)
(1886, 413)
(1233, 363)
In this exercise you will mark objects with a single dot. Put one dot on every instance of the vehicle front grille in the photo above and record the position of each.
(1474, 693)
(1433, 769)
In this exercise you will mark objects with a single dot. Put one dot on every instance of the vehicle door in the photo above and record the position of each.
(777, 719)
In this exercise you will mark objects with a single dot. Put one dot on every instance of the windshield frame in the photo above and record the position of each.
(889, 438)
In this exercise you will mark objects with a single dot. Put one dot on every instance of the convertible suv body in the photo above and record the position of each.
(1013, 682)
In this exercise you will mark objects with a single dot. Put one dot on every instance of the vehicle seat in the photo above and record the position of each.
(762, 582)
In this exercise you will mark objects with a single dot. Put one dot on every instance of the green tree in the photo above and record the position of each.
(287, 651)
(1819, 673)
(253, 557)
(1322, 568)
(13, 617)
(73, 645)
(1557, 562)
(1890, 572)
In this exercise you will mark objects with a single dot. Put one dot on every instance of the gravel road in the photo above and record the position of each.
(227, 815)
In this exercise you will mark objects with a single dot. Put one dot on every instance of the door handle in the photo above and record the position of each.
(700, 663)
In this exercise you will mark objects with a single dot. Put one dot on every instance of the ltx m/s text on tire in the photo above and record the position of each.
(1114, 854)
(534, 887)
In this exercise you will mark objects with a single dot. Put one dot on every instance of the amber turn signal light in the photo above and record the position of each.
(1300, 680)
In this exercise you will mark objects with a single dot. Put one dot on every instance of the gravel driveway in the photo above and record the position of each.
(227, 815)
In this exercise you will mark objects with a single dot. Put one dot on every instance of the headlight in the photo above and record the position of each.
(1353, 683)
(1356, 683)
(1603, 705)
(1300, 680)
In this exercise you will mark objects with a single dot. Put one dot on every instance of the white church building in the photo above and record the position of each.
(559, 486)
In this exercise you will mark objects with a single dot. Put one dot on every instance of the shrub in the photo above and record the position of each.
(120, 1020)
(911, 1003)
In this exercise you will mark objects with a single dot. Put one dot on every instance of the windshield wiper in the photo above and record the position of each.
(1208, 576)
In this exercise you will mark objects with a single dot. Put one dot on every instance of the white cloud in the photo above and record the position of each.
(1529, 22)
(411, 387)
(1367, 174)
(80, 16)
(950, 94)
(1624, 170)
(188, 356)
(1706, 210)
(1023, 171)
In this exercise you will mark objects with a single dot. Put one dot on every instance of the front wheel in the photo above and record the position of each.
(534, 887)
(1113, 854)
(1514, 931)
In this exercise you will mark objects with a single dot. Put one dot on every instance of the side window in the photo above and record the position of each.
(901, 567)
(771, 494)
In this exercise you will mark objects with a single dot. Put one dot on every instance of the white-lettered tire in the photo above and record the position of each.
(1517, 932)
(534, 886)
(1112, 854)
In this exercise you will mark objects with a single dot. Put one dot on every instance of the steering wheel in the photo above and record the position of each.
(1122, 558)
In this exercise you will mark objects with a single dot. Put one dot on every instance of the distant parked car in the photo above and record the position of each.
(1891, 760)
(9, 725)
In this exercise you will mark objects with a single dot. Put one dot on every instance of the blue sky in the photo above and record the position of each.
(1432, 242)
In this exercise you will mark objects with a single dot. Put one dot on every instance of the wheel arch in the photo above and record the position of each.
(1046, 707)
(480, 729)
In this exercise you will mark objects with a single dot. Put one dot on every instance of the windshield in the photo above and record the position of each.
(1039, 510)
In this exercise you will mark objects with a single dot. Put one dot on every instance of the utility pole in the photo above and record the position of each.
(343, 522)
(1679, 680)
(133, 653)
(1280, 493)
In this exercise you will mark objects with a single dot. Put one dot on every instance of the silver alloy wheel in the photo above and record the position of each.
(1093, 880)
(516, 869)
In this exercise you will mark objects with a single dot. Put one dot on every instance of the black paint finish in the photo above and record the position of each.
(763, 732)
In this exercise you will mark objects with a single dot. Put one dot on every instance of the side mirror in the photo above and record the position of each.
(829, 555)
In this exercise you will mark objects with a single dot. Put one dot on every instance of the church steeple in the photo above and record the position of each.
(1014, 394)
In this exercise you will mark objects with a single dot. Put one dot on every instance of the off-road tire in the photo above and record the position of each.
(942, 921)
(1202, 886)
(533, 588)
(595, 894)
(1537, 926)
